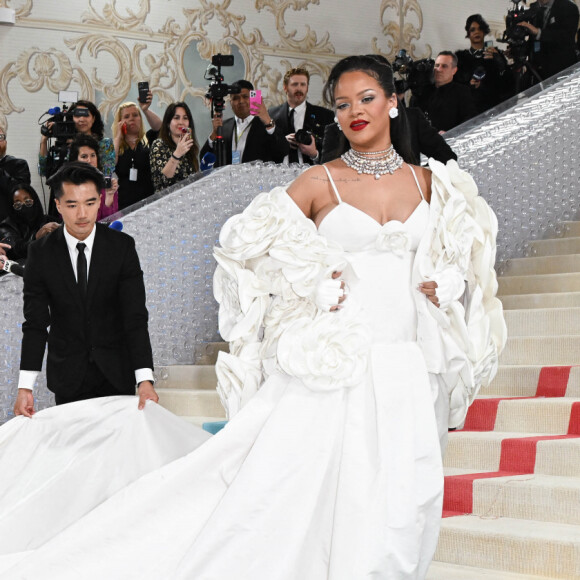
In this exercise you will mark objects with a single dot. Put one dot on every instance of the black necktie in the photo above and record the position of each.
(293, 155)
(82, 269)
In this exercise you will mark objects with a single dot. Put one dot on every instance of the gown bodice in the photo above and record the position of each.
(380, 260)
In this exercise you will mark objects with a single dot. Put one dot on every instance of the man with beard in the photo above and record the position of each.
(296, 114)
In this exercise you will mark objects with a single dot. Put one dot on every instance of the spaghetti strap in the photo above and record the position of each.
(332, 183)
(417, 181)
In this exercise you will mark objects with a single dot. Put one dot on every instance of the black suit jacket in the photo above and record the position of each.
(424, 139)
(260, 145)
(109, 328)
(557, 49)
(315, 120)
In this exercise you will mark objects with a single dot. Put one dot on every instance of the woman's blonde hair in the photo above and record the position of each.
(117, 122)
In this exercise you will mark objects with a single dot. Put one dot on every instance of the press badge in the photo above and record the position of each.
(133, 174)
(236, 158)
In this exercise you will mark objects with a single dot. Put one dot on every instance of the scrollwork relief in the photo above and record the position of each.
(400, 31)
(23, 8)
(135, 20)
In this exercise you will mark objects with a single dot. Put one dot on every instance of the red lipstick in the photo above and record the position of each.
(358, 125)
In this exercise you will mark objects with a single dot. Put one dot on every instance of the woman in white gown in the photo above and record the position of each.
(330, 466)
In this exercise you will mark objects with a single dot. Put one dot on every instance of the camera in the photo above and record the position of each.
(108, 182)
(416, 75)
(218, 90)
(303, 136)
(514, 35)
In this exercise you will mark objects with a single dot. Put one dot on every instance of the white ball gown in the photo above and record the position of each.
(331, 469)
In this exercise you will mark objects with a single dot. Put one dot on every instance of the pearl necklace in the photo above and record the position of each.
(375, 163)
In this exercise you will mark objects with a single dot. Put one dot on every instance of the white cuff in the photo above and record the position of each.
(144, 375)
(26, 379)
(450, 287)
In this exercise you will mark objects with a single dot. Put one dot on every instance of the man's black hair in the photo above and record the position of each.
(77, 173)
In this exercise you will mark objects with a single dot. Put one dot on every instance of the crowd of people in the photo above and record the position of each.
(138, 161)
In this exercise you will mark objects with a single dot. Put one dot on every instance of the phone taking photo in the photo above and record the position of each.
(143, 87)
(255, 102)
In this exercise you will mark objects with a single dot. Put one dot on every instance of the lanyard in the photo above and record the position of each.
(240, 135)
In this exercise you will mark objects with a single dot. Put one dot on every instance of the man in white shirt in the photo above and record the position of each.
(84, 282)
(247, 136)
(297, 116)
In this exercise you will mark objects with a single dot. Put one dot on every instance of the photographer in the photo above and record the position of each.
(446, 103)
(482, 67)
(247, 137)
(88, 121)
(302, 123)
(552, 31)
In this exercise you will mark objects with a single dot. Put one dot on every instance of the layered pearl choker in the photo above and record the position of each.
(375, 163)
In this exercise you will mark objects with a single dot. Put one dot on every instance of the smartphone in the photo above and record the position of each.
(143, 87)
(255, 101)
(108, 182)
(488, 43)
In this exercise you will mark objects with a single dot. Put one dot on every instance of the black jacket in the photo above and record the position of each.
(315, 120)
(557, 50)
(109, 328)
(12, 172)
(260, 145)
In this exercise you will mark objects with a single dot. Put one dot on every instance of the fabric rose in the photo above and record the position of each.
(394, 238)
(328, 353)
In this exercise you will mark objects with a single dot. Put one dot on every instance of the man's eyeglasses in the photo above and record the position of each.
(2, 137)
(19, 204)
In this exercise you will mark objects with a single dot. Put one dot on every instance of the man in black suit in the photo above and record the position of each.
(84, 281)
(552, 35)
(12, 172)
(248, 136)
(296, 113)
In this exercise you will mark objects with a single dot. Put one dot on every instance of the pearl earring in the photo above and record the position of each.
(337, 123)
(393, 112)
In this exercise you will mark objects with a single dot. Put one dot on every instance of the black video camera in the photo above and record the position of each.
(515, 35)
(218, 90)
(416, 74)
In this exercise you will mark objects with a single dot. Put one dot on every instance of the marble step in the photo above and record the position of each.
(555, 246)
(541, 350)
(539, 284)
(522, 381)
(511, 545)
(544, 300)
(481, 451)
(543, 265)
(543, 321)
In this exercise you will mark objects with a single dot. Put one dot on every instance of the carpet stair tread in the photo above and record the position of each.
(511, 544)
(544, 350)
(543, 265)
(555, 246)
(541, 300)
(543, 321)
(187, 377)
(445, 571)
(539, 283)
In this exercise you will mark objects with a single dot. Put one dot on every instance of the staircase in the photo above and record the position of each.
(512, 475)
(512, 485)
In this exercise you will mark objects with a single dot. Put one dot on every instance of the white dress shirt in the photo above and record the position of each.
(299, 114)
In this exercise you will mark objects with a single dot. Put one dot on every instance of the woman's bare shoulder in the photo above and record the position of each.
(309, 188)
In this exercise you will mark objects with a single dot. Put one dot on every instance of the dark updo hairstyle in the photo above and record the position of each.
(84, 141)
(165, 133)
(377, 67)
(98, 128)
(479, 19)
